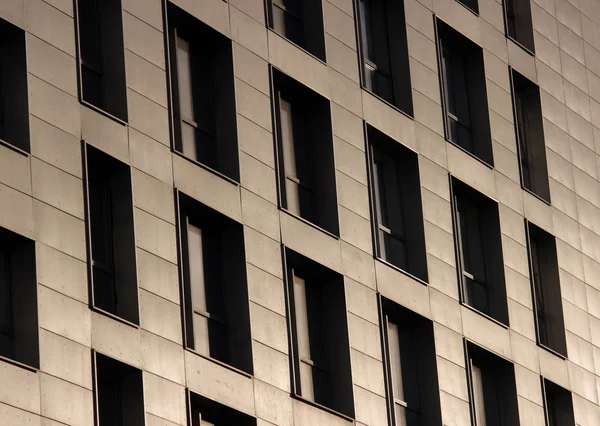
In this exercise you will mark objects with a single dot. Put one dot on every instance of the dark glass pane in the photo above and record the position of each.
(477, 295)
(395, 251)
(110, 411)
(92, 87)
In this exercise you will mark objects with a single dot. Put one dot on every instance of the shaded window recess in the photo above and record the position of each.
(14, 106)
(206, 412)
(397, 208)
(529, 126)
(319, 338)
(102, 56)
(215, 291)
(119, 393)
(479, 251)
(202, 93)
(111, 238)
(384, 52)
(18, 299)
(304, 145)
(492, 388)
(518, 22)
(558, 405)
(464, 93)
(472, 5)
(410, 367)
(545, 282)
(301, 22)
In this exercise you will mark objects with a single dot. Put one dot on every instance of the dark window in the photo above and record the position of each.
(14, 109)
(492, 388)
(301, 22)
(111, 235)
(384, 51)
(206, 412)
(410, 367)
(217, 319)
(479, 250)
(473, 5)
(519, 26)
(18, 299)
(398, 216)
(545, 282)
(102, 55)
(305, 152)
(119, 393)
(464, 94)
(530, 135)
(558, 404)
(319, 339)
(203, 93)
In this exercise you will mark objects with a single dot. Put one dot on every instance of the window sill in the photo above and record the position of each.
(529, 191)
(482, 161)
(309, 223)
(205, 167)
(115, 317)
(402, 271)
(104, 113)
(19, 364)
(220, 363)
(14, 148)
(388, 103)
(321, 60)
(552, 351)
(521, 45)
(483, 314)
(322, 407)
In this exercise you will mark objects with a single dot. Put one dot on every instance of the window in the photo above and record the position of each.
(216, 307)
(464, 94)
(319, 339)
(102, 56)
(18, 299)
(558, 404)
(119, 393)
(111, 239)
(203, 93)
(384, 51)
(305, 153)
(530, 136)
(518, 23)
(492, 388)
(479, 250)
(301, 22)
(206, 412)
(547, 299)
(410, 367)
(472, 5)
(397, 208)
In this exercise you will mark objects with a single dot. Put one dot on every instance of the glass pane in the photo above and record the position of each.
(287, 138)
(478, 398)
(188, 140)
(308, 202)
(196, 267)
(395, 360)
(92, 87)
(470, 236)
(5, 297)
(306, 381)
(395, 251)
(477, 295)
(184, 79)
(301, 317)
(201, 342)
(292, 197)
(380, 201)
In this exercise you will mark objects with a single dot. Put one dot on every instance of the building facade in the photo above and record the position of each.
(300, 212)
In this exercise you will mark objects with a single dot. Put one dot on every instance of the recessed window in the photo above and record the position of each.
(384, 51)
(543, 266)
(464, 94)
(519, 26)
(203, 93)
(14, 106)
(301, 22)
(217, 319)
(530, 135)
(410, 367)
(119, 393)
(111, 236)
(472, 5)
(206, 412)
(102, 56)
(18, 299)
(397, 210)
(558, 404)
(479, 250)
(492, 388)
(319, 338)
(305, 152)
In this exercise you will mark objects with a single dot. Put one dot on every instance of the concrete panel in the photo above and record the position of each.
(150, 156)
(49, 24)
(64, 316)
(54, 146)
(116, 340)
(153, 196)
(146, 78)
(54, 106)
(65, 402)
(164, 399)
(273, 404)
(266, 290)
(26, 396)
(158, 275)
(57, 188)
(51, 64)
(271, 366)
(65, 359)
(143, 40)
(155, 236)
(269, 328)
(260, 215)
(16, 211)
(148, 117)
(263, 252)
(160, 316)
(104, 133)
(402, 289)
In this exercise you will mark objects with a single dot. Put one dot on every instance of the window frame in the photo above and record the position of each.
(527, 45)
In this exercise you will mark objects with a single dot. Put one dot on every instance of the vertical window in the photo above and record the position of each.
(203, 93)
(301, 22)
(558, 405)
(479, 250)
(530, 136)
(492, 389)
(102, 56)
(216, 308)
(545, 282)
(396, 192)
(119, 393)
(305, 153)
(519, 26)
(464, 93)
(410, 365)
(206, 412)
(18, 299)
(384, 51)
(111, 235)
(319, 339)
